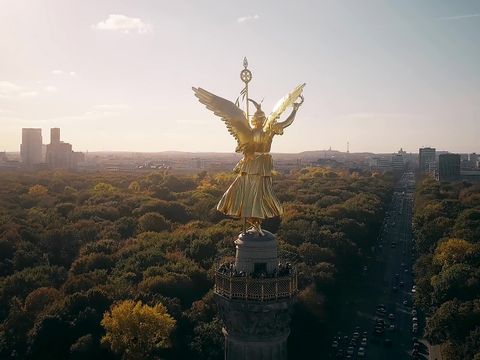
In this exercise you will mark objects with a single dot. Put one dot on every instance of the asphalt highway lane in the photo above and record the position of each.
(387, 281)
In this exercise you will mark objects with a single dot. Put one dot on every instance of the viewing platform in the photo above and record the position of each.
(255, 287)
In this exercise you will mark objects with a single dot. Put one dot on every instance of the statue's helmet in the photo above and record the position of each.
(259, 116)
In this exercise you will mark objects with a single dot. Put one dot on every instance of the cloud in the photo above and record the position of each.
(118, 22)
(10, 90)
(93, 114)
(50, 89)
(106, 110)
(112, 107)
(59, 72)
(28, 94)
(460, 17)
(377, 116)
(243, 19)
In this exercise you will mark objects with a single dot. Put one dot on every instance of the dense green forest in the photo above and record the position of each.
(447, 272)
(85, 258)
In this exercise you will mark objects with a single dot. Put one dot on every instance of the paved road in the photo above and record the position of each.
(388, 281)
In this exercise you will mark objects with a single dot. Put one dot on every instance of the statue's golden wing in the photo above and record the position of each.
(282, 105)
(231, 114)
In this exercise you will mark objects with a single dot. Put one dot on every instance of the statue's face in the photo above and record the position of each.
(258, 121)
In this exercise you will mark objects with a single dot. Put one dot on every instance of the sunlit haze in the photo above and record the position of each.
(118, 75)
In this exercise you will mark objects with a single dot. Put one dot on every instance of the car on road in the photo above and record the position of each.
(414, 312)
(391, 316)
(361, 352)
(387, 342)
(414, 288)
(350, 350)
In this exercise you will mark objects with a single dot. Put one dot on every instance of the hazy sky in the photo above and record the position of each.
(117, 74)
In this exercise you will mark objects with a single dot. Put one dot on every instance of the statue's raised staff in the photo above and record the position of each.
(251, 195)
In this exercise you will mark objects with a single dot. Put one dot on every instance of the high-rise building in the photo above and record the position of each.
(380, 163)
(427, 163)
(449, 167)
(31, 147)
(59, 154)
(398, 161)
(54, 135)
(473, 159)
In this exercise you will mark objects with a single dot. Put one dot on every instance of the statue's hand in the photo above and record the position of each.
(296, 106)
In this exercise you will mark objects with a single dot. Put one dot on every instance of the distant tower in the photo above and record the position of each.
(31, 147)
(254, 297)
(348, 147)
(54, 135)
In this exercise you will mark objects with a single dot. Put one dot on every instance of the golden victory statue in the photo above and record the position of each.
(250, 196)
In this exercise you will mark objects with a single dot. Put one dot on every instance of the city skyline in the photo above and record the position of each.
(118, 77)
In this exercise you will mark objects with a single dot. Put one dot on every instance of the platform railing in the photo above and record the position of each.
(254, 288)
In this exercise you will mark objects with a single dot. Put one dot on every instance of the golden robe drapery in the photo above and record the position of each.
(251, 194)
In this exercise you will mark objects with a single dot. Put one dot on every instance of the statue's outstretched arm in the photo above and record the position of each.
(278, 127)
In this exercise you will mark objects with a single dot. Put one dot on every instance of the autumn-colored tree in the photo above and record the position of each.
(136, 330)
(40, 299)
(103, 188)
(37, 191)
(134, 186)
(153, 222)
(451, 252)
